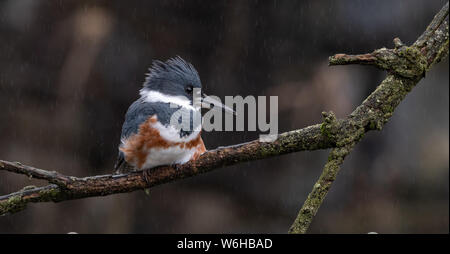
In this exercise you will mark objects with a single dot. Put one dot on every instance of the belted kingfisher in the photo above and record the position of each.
(149, 136)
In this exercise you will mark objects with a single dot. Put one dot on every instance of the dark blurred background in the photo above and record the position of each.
(70, 69)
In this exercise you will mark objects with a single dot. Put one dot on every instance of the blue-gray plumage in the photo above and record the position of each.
(140, 111)
(172, 77)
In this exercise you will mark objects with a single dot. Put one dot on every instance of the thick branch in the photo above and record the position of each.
(320, 190)
(407, 66)
(69, 187)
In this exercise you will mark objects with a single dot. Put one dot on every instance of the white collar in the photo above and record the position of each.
(155, 96)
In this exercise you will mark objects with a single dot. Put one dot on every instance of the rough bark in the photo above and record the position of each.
(70, 187)
(406, 66)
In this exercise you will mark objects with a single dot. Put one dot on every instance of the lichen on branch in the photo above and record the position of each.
(406, 65)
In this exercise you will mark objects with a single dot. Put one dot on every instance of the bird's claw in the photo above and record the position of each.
(177, 167)
(146, 176)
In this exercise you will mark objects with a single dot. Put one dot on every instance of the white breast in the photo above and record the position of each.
(167, 156)
(171, 155)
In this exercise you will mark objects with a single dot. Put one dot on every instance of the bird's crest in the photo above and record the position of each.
(174, 69)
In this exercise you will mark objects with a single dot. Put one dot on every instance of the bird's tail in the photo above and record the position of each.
(120, 164)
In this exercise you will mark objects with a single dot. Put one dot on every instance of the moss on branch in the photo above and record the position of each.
(406, 65)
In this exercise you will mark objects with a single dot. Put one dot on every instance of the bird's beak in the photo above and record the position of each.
(209, 102)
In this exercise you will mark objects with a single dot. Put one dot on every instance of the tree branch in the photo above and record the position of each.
(320, 189)
(70, 187)
(17, 167)
(406, 66)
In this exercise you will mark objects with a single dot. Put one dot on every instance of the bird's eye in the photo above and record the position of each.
(189, 89)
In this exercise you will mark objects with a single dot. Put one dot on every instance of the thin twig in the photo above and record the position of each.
(50, 176)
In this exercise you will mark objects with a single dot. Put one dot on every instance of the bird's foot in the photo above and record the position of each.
(177, 167)
(146, 176)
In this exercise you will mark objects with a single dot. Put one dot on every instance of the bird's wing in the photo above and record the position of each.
(137, 113)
